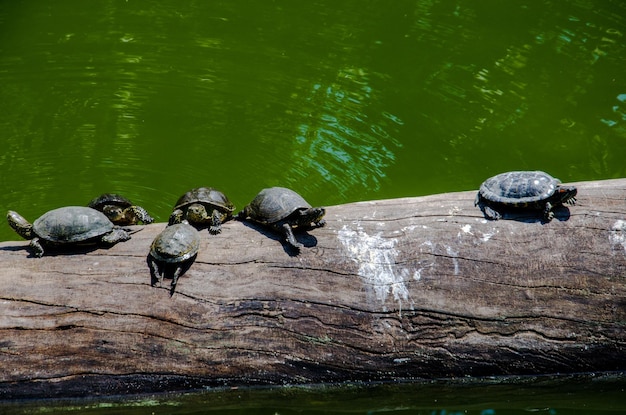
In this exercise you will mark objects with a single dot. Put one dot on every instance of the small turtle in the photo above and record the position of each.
(176, 246)
(66, 226)
(524, 190)
(120, 210)
(282, 209)
(202, 206)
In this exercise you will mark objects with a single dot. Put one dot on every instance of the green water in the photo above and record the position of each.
(342, 100)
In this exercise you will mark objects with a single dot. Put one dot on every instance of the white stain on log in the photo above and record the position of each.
(617, 234)
(454, 256)
(376, 259)
(487, 236)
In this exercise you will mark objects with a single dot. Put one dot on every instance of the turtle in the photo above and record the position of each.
(523, 190)
(283, 209)
(67, 226)
(120, 210)
(176, 246)
(203, 206)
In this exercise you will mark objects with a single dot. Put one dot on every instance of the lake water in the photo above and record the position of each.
(341, 100)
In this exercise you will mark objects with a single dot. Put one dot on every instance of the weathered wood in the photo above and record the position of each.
(394, 289)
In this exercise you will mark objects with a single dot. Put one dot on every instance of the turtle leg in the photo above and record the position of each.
(116, 235)
(243, 214)
(177, 273)
(289, 236)
(491, 213)
(487, 210)
(36, 247)
(216, 222)
(320, 223)
(134, 214)
(176, 217)
(154, 270)
(548, 214)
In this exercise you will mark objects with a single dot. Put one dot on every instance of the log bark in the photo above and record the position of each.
(402, 289)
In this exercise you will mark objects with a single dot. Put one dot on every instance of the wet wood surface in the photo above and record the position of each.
(402, 289)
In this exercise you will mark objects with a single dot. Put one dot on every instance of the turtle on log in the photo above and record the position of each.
(203, 206)
(67, 226)
(535, 190)
(173, 251)
(282, 210)
(120, 210)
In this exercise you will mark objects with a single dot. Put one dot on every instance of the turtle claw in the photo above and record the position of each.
(548, 214)
(115, 236)
(216, 223)
(214, 230)
(320, 223)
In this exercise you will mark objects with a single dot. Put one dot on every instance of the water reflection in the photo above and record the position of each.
(342, 101)
(344, 138)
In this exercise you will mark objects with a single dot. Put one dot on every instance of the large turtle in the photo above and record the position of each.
(282, 209)
(66, 226)
(175, 247)
(120, 210)
(203, 206)
(523, 190)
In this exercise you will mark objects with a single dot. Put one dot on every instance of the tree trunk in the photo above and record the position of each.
(402, 289)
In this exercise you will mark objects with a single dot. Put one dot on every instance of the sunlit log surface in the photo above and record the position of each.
(402, 289)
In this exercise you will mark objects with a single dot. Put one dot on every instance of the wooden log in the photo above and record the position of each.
(403, 289)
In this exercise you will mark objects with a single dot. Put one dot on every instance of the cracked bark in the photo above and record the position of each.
(414, 288)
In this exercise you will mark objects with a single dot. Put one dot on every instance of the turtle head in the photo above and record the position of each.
(197, 213)
(311, 215)
(20, 225)
(135, 214)
(115, 214)
(566, 194)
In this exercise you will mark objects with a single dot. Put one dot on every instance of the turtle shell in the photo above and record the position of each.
(519, 188)
(275, 204)
(109, 199)
(206, 196)
(176, 243)
(72, 224)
